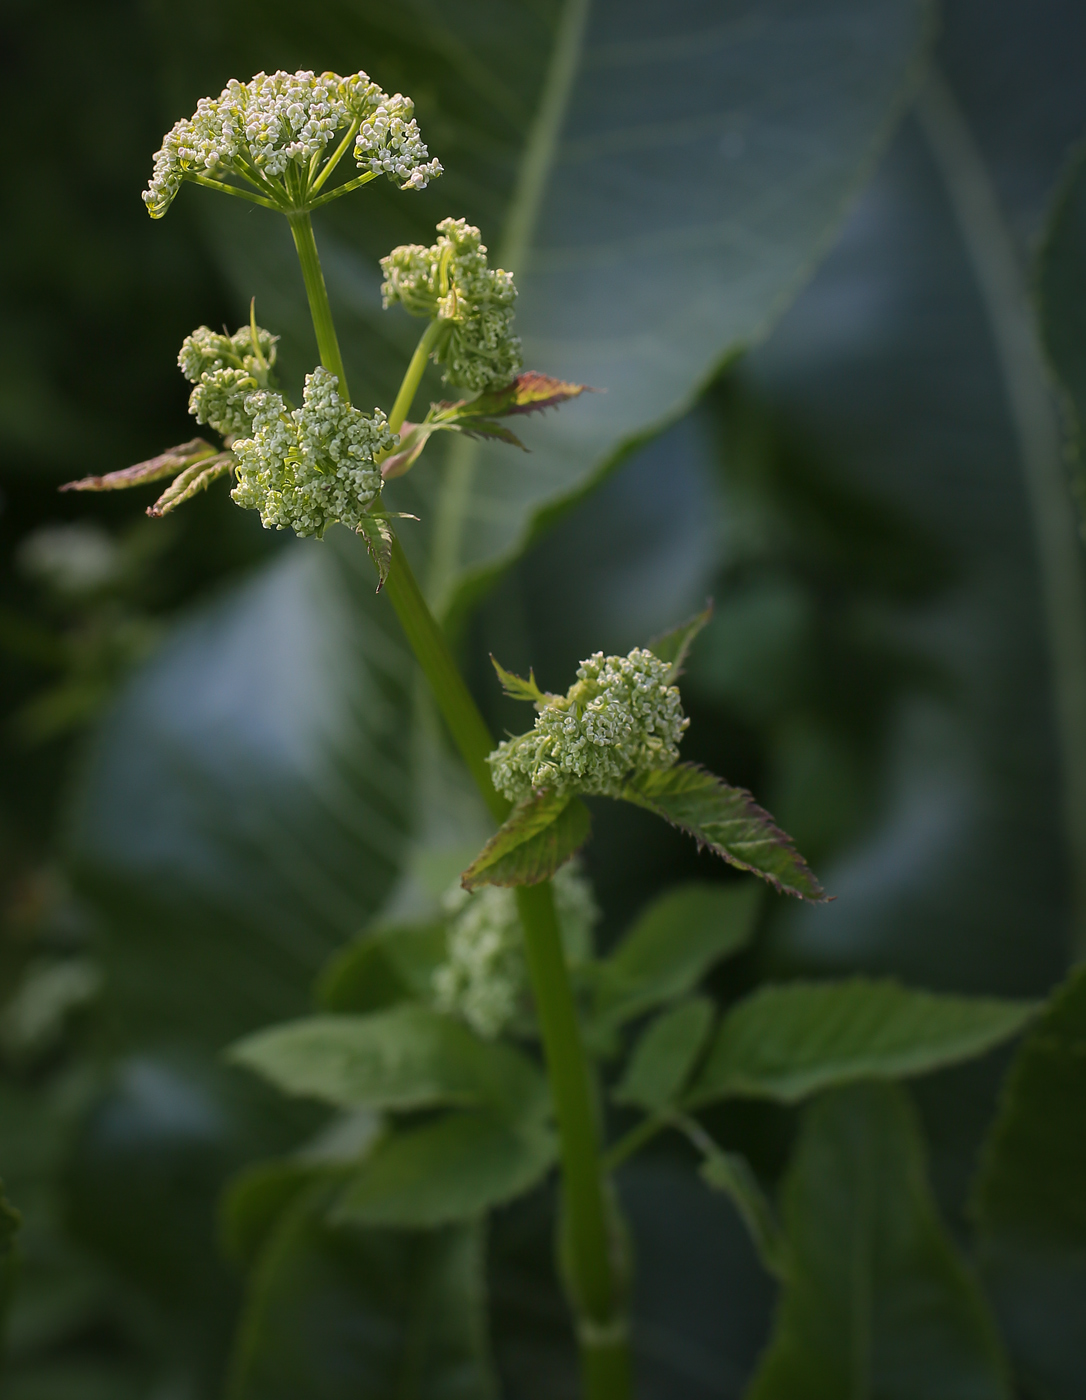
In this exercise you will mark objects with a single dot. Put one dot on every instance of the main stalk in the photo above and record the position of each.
(590, 1243)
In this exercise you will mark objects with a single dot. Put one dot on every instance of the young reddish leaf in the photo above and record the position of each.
(174, 459)
(413, 438)
(530, 392)
(729, 822)
(196, 478)
(516, 687)
(674, 645)
(539, 835)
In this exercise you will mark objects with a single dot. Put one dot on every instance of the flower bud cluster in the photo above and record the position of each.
(257, 129)
(451, 281)
(306, 468)
(226, 369)
(621, 717)
(485, 978)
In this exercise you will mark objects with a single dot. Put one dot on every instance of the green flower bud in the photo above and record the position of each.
(451, 281)
(226, 369)
(255, 131)
(620, 718)
(306, 468)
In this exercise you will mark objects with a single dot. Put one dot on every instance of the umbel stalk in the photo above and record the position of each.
(590, 1247)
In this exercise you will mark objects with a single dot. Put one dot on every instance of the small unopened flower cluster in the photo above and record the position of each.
(451, 281)
(306, 468)
(620, 718)
(257, 129)
(485, 977)
(226, 369)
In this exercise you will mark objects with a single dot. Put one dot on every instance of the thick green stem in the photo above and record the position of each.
(590, 1246)
(301, 226)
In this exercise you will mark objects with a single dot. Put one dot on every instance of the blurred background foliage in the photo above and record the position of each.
(208, 780)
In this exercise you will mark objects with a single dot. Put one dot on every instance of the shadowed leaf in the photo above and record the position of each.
(536, 839)
(729, 822)
(663, 1058)
(731, 1173)
(674, 645)
(786, 1042)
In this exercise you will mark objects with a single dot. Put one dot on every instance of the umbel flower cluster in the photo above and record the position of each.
(451, 282)
(271, 133)
(621, 717)
(484, 978)
(225, 370)
(306, 468)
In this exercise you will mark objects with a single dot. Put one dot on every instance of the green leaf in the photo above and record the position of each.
(789, 1041)
(407, 1057)
(10, 1220)
(1030, 1199)
(729, 822)
(731, 1173)
(335, 1313)
(530, 392)
(671, 947)
(384, 966)
(516, 687)
(451, 1169)
(254, 1202)
(878, 1303)
(1061, 305)
(665, 1055)
(540, 834)
(674, 645)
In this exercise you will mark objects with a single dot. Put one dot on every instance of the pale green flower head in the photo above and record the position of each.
(306, 468)
(452, 282)
(226, 369)
(484, 979)
(620, 718)
(282, 134)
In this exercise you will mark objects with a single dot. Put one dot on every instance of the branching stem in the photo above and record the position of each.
(590, 1248)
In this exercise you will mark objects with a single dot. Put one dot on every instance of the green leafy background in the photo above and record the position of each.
(850, 491)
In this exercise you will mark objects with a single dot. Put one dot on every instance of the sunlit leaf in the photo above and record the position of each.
(1030, 1201)
(174, 459)
(785, 1042)
(728, 822)
(516, 687)
(877, 1301)
(540, 834)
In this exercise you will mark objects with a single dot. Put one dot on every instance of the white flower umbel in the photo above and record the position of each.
(226, 369)
(485, 978)
(277, 138)
(620, 718)
(304, 469)
(452, 282)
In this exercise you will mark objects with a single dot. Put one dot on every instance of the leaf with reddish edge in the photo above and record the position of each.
(196, 478)
(729, 822)
(516, 687)
(540, 834)
(674, 645)
(174, 459)
(530, 392)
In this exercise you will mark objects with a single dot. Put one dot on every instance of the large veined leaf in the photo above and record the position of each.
(1031, 1200)
(404, 1058)
(340, 1312)
(785, 1042)
(453, 1168)
(878, 1304)
(652, 235)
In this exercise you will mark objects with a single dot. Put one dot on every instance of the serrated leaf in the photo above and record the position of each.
(173, 460)
(1030, 1199)
(537, 838)
(727, 821)
(191, 482)
(674, 645)
(672, 945)
(337, 1313)
(785, 1042)
(385, 966)
(451, 1169)
(376, 535)
(530, 392)
(407, 1057)
(877, 1302)
(731, 1173)
(516, 687)
(664, 1056)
